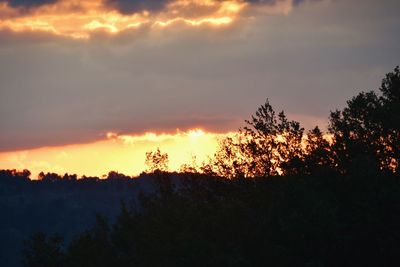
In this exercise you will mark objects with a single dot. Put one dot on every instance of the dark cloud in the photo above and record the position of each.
(28, 3)
(134, 6)
(295, 2)
(125, 6)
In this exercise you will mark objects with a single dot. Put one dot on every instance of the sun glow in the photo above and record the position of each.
(119, 152)
(80, 19)
(195, 133)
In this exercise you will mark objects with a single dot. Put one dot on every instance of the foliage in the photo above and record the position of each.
(365, 137)
(12, 175)
(92, 248)
(317, 157)
(367, 132)
(308, 220)
(262, 148)
(190, 167)
(156, 161)
(41, 251)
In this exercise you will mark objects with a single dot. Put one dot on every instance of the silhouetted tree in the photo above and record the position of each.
(15, 175)
(43, 251)
(230, 160)
(262, 148)
(92, 248)
(156, 161)
(367, 132)
(113, 175)
(49, 177)
(316, 157)
(126, 235)
(69, 177)
(190, 167)
(390, 89)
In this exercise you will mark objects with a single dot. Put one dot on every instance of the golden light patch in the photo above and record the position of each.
(79, 19)
(122, 153)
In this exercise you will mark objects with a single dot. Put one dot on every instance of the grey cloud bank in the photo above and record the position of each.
(125, 6)
(28, 3)
(309, 62)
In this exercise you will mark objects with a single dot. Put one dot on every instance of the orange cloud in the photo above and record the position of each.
(122, 153)
(80, 19)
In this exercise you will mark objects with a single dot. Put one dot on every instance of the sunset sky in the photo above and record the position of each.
(89, 86)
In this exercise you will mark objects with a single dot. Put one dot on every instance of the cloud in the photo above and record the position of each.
(136, 6)
(28, 3)
(113, 17)
(118, 16)
(268, 1)
(128, 7)
(56, 91)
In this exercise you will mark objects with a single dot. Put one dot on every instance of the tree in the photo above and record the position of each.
(156, 161)
(262, 148)
(318, 153)
(390, 99)
(69, 177)
(190, 167)
(43, 251)
(49, 177)
(367, 132)
(92, 248)
(114, 176)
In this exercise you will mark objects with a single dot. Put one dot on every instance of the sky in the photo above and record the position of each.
(73, 73)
